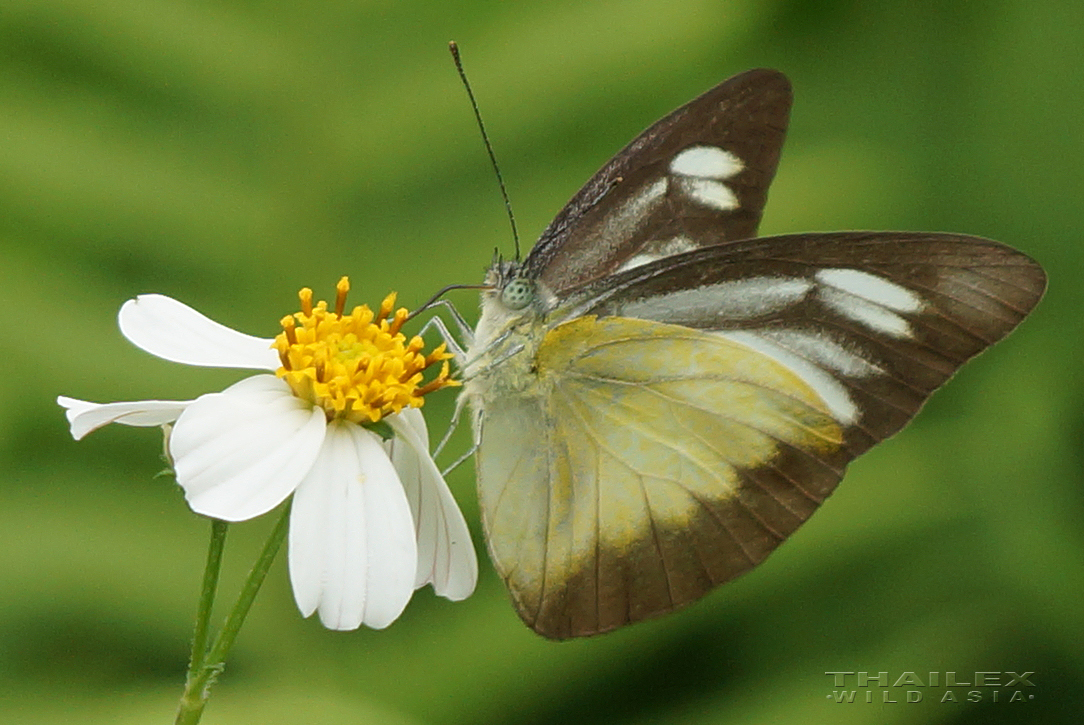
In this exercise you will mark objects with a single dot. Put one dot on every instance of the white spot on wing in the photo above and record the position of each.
(711, 193)
(706, 162)
(653, 193)
(864, 312)
(675, 245)
(740, 299)
(830, 390)
(630, 215)
(637, 260)
(656, 250)
(823, 351)
(871, 287)
(700, 171)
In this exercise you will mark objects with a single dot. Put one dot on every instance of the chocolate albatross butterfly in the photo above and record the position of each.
(660, 398)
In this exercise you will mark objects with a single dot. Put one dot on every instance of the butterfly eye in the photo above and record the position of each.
(517, 294)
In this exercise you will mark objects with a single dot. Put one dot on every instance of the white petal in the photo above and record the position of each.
(352, 550)
(86, 417)
(241, 452)
(414, 418)
(445, 553)
(174, 331)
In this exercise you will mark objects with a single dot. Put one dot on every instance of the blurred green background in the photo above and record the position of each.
(228, 153)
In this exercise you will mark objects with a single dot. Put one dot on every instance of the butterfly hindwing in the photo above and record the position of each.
(698, 176)
(651, 463)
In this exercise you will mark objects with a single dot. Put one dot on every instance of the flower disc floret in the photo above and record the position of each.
(359, 366)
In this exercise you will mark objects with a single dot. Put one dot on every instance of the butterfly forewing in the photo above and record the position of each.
(699, 176)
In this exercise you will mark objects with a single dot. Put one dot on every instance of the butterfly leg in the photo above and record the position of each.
(457, 349)
(465, 330)
(494, 363)
(460, 403)
(452, 425)
(459, 461)
(456, 343)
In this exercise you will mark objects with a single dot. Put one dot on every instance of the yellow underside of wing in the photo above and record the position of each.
(607, 488)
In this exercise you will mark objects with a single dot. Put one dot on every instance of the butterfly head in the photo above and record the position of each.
(515, 307)
(512, 293)
(518, 293)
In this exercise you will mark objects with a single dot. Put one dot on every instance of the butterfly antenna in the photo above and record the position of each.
(454, 48)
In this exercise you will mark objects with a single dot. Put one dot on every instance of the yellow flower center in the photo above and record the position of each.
(357, 366)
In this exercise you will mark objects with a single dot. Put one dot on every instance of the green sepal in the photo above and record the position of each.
(381, 428)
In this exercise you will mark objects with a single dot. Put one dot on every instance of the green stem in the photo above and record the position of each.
(207, 596)
(198, 687)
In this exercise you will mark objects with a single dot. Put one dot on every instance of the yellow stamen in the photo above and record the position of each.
(386, 306)
(306, 300)
(400, 319)
(356, 366)
(340, 295)
(288, 327)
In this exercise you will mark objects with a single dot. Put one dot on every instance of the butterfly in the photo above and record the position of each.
(660, 398)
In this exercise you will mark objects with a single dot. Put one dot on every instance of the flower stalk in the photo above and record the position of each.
(206, 665)
(207, 596)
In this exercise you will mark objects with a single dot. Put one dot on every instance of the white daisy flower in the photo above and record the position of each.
(372, 519)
